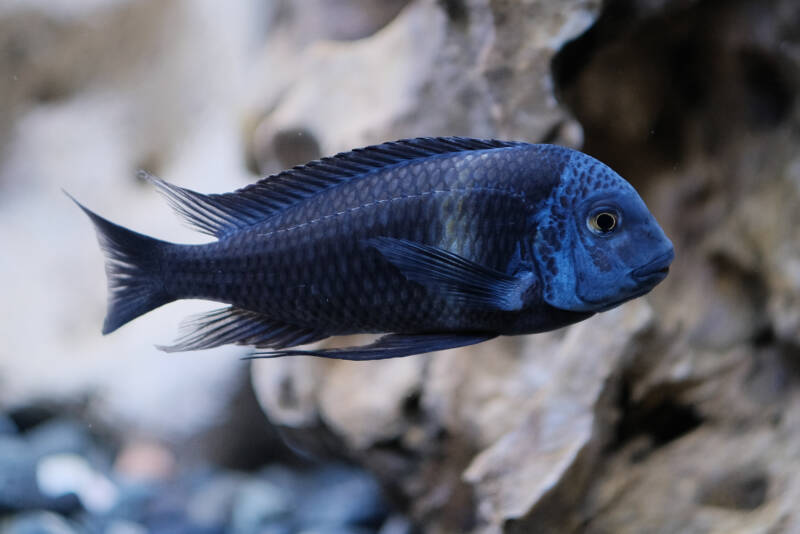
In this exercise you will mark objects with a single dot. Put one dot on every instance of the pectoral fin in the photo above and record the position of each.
(388, 346)
(453, 276)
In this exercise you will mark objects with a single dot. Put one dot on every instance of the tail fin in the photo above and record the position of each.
(133, 263)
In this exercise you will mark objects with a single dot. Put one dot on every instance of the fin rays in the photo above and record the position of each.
(388, 346)
(242, 327)
(220, 214)
(132, 271)
(454, 276)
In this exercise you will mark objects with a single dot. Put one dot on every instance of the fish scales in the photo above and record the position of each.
(309, 253)
(451, 242)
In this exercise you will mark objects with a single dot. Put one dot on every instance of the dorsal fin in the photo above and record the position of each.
(220, 214)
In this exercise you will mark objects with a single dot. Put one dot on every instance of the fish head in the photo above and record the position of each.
(597, 245)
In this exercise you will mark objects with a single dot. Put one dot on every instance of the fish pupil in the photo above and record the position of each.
(606, 222)
(603, 222)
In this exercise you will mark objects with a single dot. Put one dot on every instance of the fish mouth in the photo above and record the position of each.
(656, 270)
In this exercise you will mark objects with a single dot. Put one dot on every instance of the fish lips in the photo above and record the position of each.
(655, 271)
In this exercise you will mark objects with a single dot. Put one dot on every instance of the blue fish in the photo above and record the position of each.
(435, 242)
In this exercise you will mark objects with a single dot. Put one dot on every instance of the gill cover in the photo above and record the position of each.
(553, 248)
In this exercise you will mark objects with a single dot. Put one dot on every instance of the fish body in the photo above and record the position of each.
(440, 242)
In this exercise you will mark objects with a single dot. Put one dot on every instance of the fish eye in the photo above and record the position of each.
(603, 221)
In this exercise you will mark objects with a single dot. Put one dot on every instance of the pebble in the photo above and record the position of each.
(124, 527)
(7, 425)
(18, 485)
(63, 474)
(38, 522)
(396, 524)
(164, 508)
(339, 529)
(58, 467)
(341, 495)
(258, 503)
(289, 480)
(145, 461)
(212, 502)
(134, 501)
(59, 436)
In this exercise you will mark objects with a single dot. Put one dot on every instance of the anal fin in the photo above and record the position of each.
(242, 327)
(388, 346)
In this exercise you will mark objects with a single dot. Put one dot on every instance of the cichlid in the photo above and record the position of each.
(437, 242)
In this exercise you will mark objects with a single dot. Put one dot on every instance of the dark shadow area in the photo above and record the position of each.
(650, 89)
(660, 416)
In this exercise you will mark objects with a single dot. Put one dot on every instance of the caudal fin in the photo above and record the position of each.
(133, 263)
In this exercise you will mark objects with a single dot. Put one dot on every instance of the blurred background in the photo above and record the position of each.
(678, 412)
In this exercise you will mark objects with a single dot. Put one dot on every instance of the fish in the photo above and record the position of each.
(434, 242)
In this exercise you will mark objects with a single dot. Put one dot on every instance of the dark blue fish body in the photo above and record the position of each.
(441, 242)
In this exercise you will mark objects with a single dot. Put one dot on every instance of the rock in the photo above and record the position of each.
(339, 496)
(359, 401)
(59, 475)
(339, 20)
(17, 482)
(134, 502)
(557, 443)
(335, 530)
(396, 525)
(485, 392)
(289, 480)
(19, 489)
(7, 425)
(211, 504)
(125, 527)
(744, 488)
(507, 54)
(385, 96)
(37, 523)
(719, 375)
(58, 436)
(144, 462)
(701, 493)
(287, 388)
(259, 504)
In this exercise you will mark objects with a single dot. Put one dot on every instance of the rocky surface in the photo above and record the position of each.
(673, 413)
(669, 417)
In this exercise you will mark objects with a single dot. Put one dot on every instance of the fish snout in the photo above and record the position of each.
(656, 270)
